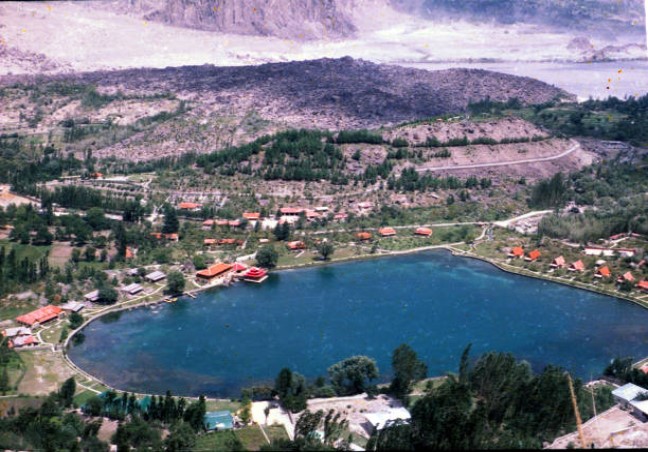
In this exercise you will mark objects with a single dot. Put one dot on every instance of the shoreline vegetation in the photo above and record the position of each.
(319, 263)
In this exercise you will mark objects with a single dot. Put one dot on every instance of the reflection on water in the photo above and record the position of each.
(309, 319)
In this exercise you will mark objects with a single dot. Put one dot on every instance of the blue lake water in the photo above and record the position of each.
(308, 319)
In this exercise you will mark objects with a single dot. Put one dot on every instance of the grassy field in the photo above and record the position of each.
(45, 372)
(220, 405)
(251, 437)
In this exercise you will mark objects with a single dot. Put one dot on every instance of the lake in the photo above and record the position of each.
(308, 319)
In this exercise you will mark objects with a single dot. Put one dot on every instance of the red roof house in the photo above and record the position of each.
(189, 206)
(533, 256)
(208, 242)
(577, 266)
(255, 274)
(387, 232)
(296, 245)
(603, 272)
(627, 276)
(364, 235)
(215, 270)
(643, 285)
(251, 215)
(426, 232)
(517, 251)
(290, 211)
(558, 262)
(41, 315)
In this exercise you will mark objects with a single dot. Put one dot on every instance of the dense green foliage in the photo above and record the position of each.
(267, 257)
(175, 283)
(407, 370)
(291, 389)
(353, 375)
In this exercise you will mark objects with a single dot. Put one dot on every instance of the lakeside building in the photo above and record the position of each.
(364, 236)
(627, 276)
(296, 245)
(532, 256)
(643, 285)
(558, 262)
(218, 420)
(603, 272)
(155, 276)
(387, 232)
(215, 270)
(577, 266)
(425, 232)
(72, 306)
(40, 316)
(516, 251)
(191, 206)
(255, 274)
(627, 393)
(602, 251)
(17, 331)
(92, 297)
(174, 237)
(132, 289)
(22, 341)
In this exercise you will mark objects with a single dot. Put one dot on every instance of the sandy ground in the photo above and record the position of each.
(46, 372)
(7, 198)
(629, 431)
(82, 37)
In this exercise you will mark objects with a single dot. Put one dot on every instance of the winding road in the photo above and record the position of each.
(574, 147)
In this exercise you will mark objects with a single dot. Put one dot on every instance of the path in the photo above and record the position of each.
(574, 147)
(505, 223)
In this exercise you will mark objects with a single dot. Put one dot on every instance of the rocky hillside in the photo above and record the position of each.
(291, 19)
(330, 93)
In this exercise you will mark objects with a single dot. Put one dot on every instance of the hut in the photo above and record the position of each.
(364, 236)
(603, 272)
(577, 266)
(516, 251)
(626, 277)
(425, 232)
(558, 262)
(532, 256)
(387, 232)
(296, 245)
(218, 420)
(155, 276)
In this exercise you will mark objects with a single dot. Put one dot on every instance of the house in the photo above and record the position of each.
(222, 222)
(558, 262)
(207, 225)
(626, 394)
(255, 274)
(72, 306)
(22, 341)
(643, 285)
(603, 272)
(387, 232)
(92, 297)
(296, 245)
(129, 253)
(234, 223)
(425, 232)
(312, 215)
(218, 420)
(532, 256)
(577, 266)
(230, 242)
(218, 269)
(156, 235)
(294, 211)
(132, 289)
(627, 276)
(321, 209)
(252, 215)
(339, 217)
(598, 251)
(40, 316)
(189, 206)
(516, 251)
(17, 331)
(209, 242)
(365, 205)
(155, 276)
(364, 236)
(174, 237)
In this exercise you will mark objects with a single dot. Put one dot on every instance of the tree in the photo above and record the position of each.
(76, 320)
(350, 376)
(4, 381)
(171, 223)
(326, 250)
(291, 389)
(175, 283)
(267, 257)
(181, 438)
(96, 218)
(66, 393)
(407, 369)
(107, 295)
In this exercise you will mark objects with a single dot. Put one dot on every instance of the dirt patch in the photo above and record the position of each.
(46, 371)
(60, 254)
(7, 198)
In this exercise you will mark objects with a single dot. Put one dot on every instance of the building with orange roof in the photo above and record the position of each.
(234, 223)
(532, 256)
(227, 241)
(364, 236)
(222, 222)
(208, 242)
(40, 316)
(603, 272)
(425, 232)
(252, 215)
(558, 262)
(22, 341)
(643, 285)
(129, 253)
(296, 245)
(207, 224)
(627, 276)
(189, 206)
(577, 266)
(173, 236)
(516, 251)
(387, 232)
(215, 270)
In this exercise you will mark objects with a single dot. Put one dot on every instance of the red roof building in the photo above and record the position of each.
(517, 251)
(239, 267)
(296, 245)
(364, 236)
(22, 341)
(577, 266)
(251, 215)
(227, 241)
(290, 211)
(207, 224)
(222, 222)
(627, 276)
(234, 223)
(173, 236)
(603, 272)
(41, 315)
(129, 253)
(425, 232)
(558, 262)
(533, 256)
(189, 206)
(643, 285)
(387, 232)
(209, 242)
(214, 271)
(255, 274)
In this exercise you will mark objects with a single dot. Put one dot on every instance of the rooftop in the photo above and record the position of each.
(628, 391)
(40, 315)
